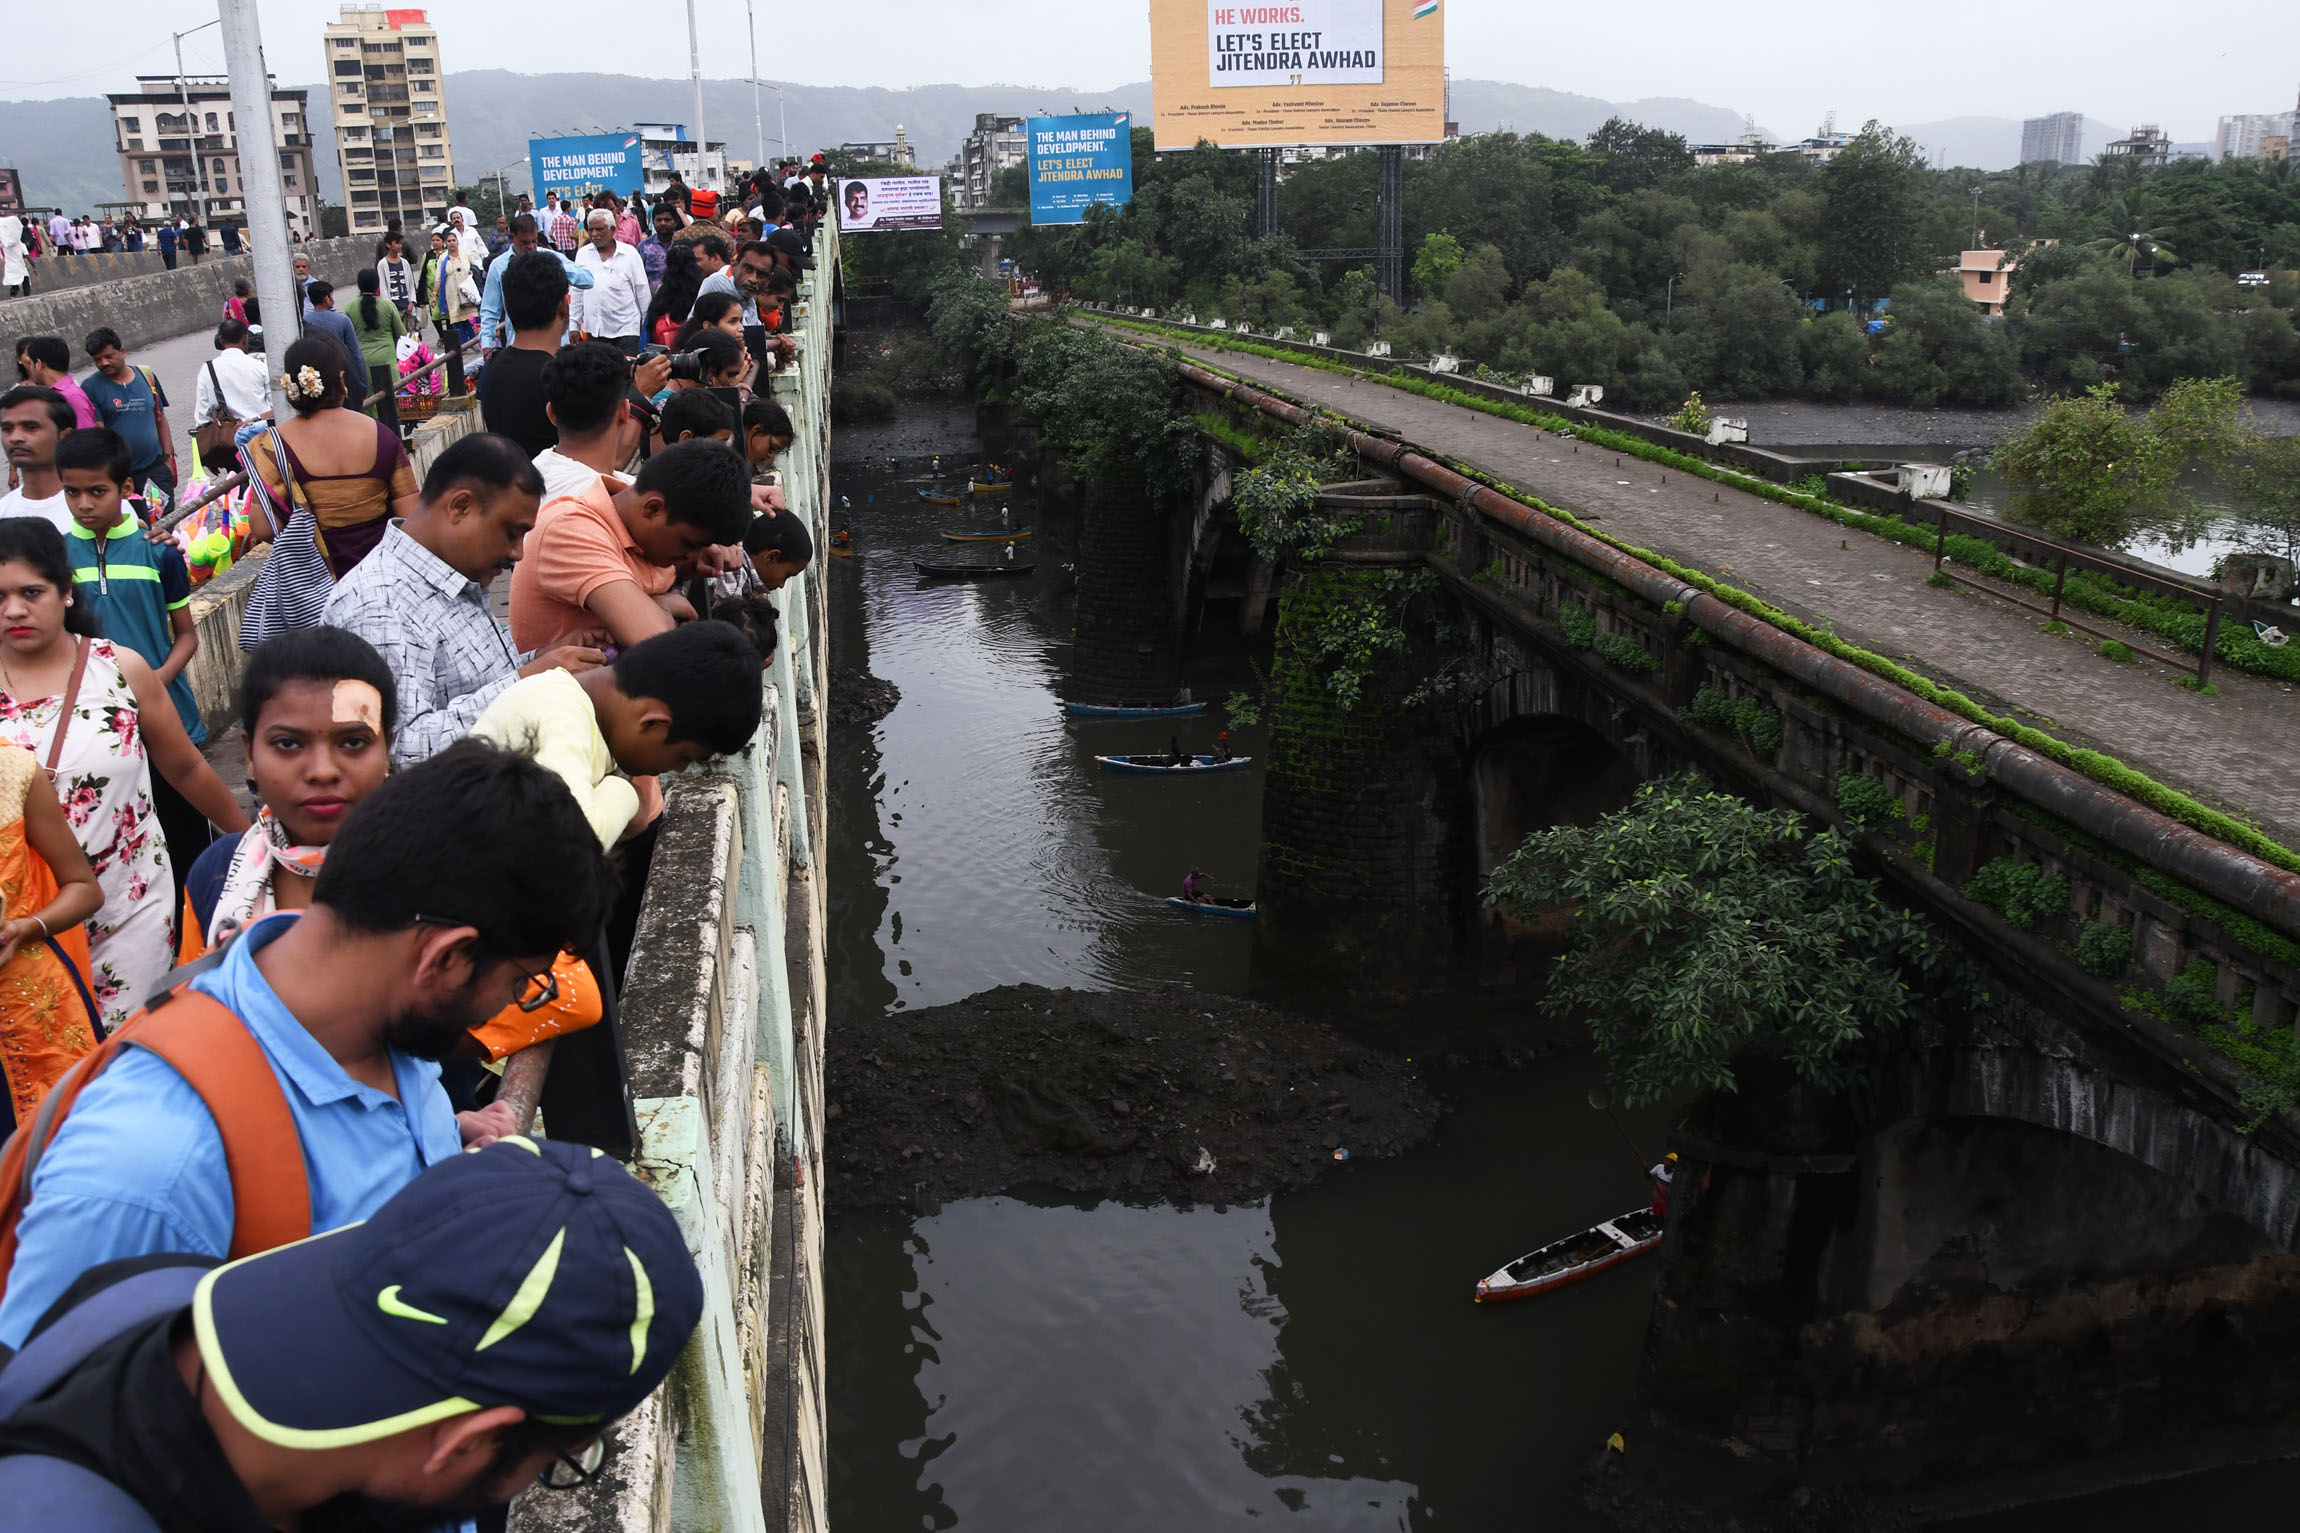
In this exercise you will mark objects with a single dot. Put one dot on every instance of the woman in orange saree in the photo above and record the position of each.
(47, 1015)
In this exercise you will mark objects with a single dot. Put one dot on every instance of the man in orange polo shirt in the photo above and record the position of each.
(606, 551)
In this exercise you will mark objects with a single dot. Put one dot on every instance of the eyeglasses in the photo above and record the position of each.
(573, 1472)
(542, 989)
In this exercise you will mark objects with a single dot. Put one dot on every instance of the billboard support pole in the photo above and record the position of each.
(1268, 194)
(1390, 240)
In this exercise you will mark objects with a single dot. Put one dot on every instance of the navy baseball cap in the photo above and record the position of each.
(532, 1273)
(788, 241)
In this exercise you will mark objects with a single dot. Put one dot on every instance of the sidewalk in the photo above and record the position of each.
(2234, 751)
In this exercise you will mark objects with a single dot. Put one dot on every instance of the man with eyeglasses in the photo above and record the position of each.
(476, 1336)
(443, 900)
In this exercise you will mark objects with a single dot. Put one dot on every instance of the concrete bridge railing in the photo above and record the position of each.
(154, 305)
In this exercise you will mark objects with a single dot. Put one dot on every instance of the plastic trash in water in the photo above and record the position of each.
(2271, 635)
(1342, 1154)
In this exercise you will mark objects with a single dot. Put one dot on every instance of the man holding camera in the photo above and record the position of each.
(613, 309)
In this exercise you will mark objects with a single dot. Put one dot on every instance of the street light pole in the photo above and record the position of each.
(695, 73)
(758, 122)
(267, 228)
(192, 128)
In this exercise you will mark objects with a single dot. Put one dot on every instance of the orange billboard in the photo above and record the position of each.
(1249, 75)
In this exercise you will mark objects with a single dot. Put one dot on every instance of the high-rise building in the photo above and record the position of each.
(2147, 143)
(2252, 135)
(995, 144)
(387, 88)
(179, 149)
(2056, 140)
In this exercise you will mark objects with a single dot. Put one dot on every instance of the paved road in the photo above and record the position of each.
(2234, 750)
(177, 363)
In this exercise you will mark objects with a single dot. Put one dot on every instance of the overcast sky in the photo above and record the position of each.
(2123, 61)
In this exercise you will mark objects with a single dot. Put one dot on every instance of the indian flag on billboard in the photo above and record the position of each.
(1425, 8)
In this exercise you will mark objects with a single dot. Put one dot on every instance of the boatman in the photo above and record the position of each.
(1194, 888)
(1663, 1175)
(1222, 746)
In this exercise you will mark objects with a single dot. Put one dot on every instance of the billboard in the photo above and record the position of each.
(594, 160)
(1076, 162)
(890, 202)
(1303, 72)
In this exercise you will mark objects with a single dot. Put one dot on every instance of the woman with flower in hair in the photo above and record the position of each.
(323, 488)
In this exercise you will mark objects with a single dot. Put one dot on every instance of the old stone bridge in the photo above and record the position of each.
(2060, 1230)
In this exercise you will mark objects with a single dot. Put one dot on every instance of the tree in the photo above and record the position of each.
(2128, 241)
(1631, 156)
(1941, 349)
(1440, 257)
(1835, 356)
(1742, 343)
(2090, 471)
(1701, 928)
(2268, 496)
(1870, 239)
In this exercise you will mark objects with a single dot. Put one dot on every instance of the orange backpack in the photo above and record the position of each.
(212, 1049)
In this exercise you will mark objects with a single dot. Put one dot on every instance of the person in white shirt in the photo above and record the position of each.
(60, 234)
(241, 383)
(397, 274)
(467, 226)
(616, 305)
(32, 421)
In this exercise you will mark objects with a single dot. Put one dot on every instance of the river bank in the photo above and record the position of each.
(1171, 1094)
(1808, 423)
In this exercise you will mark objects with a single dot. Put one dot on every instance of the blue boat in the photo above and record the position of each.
(1160, 765)
(1236, 910)
(1092, 711)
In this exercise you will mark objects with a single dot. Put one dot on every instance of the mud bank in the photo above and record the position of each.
(1172, 1095)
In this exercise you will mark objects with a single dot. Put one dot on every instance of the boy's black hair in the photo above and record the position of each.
(704, 484)
(58, 407)
(720, 350)
(477, 837)
(585, 384)
(101, 339)
(714, 244)
(780, 280)
(96, 447)
(755, 615)
(317, 292)
(34, 540)
(47, 350)
(484, 459)
(782, 534)
(707, 674)
(765, 415)
(693, 412)
(533, 284)
(313, 654)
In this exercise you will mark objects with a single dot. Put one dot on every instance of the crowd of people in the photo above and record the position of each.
(225, 1028)
(27, 239)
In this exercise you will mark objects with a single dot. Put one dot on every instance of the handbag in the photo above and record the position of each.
(64, 714)
(292, 588)
(213, 436)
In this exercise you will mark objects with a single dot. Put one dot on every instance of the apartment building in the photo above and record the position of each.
(2255, 136)
(2055, 140)
(995, 144)
(179, 149)
(387, 88)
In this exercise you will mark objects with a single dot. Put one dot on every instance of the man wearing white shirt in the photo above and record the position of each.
(467, 228)
(60, 234)
(616, 306)
(234, 379)
(32, 421)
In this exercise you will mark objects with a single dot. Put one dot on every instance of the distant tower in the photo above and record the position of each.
(1829, 123)
(901, 146)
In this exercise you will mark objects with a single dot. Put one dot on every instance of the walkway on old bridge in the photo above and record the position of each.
(2234, 750)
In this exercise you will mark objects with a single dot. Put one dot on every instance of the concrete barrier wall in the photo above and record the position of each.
(161, 304)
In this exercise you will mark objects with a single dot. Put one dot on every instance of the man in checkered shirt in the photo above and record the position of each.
(421, 597)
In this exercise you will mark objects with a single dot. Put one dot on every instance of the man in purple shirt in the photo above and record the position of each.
(42, 359)
(655, 248)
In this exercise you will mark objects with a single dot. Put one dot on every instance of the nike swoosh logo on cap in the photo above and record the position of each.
(391, 1304)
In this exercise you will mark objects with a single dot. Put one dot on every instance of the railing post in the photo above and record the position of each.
(2058, 582)
(2211, 641)
(455, 388)
(1940, 539)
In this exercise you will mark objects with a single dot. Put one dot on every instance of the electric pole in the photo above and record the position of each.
(266, 225)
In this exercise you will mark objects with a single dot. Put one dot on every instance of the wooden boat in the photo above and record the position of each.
(954, 535)
(1609, 1243)
(1237, 910)
(933, 499)
(1096, 711)
(999, 488)
(971, 571)
(1156, 766)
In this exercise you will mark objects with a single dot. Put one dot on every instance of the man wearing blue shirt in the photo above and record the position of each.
(443, 899)
(492, 333)
(130, 400)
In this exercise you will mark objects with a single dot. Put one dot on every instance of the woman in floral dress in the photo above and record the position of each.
(96, 755)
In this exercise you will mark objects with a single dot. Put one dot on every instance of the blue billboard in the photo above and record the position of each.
(1076, 162)
(593, 161)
